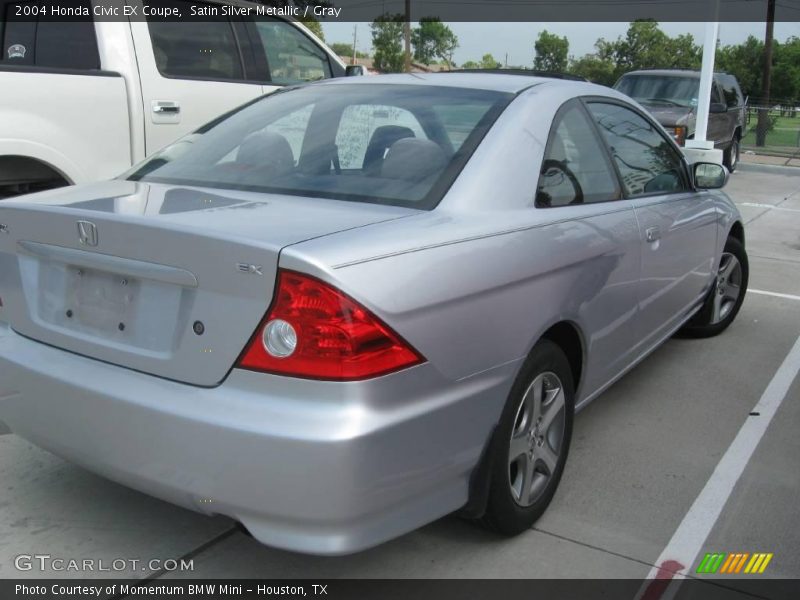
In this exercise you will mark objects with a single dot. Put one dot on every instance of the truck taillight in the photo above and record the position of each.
(314, 330)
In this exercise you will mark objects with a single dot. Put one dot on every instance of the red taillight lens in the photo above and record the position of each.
(679, 133)
(328, 335)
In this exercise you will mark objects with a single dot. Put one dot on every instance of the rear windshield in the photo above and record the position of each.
(388, 144)
(668, 90)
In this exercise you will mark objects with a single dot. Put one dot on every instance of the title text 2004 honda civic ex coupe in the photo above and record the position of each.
(352, 307)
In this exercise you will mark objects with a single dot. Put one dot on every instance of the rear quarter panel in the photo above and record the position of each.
(474, 283)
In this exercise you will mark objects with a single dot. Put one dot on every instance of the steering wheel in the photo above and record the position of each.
(561, 165)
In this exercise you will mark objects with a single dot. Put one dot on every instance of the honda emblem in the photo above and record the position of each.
(87, 233)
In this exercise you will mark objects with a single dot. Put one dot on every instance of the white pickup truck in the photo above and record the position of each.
(83, 101)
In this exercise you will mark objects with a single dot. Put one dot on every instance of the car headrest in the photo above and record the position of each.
(413, 159)
(266, 149)
(382, 139)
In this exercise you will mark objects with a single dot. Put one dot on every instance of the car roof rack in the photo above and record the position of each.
(526, 72)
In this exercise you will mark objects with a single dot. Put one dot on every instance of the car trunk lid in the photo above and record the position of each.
(167, 280)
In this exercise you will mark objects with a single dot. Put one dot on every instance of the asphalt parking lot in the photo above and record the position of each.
(657, 465)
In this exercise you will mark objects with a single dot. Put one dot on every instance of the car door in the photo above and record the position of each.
(579, 189)
(719, 123)
(191, 71)
(677, 224)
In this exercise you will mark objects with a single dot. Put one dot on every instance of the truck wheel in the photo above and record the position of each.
(731, 155)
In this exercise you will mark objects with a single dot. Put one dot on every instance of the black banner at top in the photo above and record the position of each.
(369, 10)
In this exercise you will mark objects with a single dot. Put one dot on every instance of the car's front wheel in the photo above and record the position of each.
(726, 295)
(530, 444)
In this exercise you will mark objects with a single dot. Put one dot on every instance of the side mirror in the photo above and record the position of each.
(718, 107)
(354, 70)
(709, 176)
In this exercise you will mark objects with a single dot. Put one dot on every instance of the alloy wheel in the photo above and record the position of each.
(536, 438)
(728, 287)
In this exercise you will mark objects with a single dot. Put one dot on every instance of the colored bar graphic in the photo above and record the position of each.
(732, 563)
(711, 563)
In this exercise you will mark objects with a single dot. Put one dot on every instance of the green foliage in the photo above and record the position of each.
(746, 62)
(551, 52)
(595, 69)
(488, 62)
(345, 49)
(644, 46)
(786, 72)
(432, 41)
(387, 43)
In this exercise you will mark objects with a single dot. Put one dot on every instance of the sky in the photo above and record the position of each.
(517, 39)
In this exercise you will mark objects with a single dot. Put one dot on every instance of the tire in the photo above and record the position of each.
(546, 375)
(722, 303)
(731, 155)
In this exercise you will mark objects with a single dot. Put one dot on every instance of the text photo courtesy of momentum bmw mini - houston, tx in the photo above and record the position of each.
(402, 298)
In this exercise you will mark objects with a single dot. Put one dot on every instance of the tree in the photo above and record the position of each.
(488, 62)
(470, 64)
(433, 40)
(785, 87)
(345, 49)
(551, 53)
(594, 68)
(745, 62)
(387, 43)
(645, 46)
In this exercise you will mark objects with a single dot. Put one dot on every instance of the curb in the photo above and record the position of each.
(773, 169)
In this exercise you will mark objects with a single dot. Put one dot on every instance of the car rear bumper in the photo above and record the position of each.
(310, 466)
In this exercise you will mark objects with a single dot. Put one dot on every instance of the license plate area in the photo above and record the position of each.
(100, 302)
(85, 305)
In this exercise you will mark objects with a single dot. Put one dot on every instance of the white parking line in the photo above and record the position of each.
(772, 206)
(679, 555)
(775, 294)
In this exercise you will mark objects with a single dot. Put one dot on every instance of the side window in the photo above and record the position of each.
(729, 90)
(195, 49)
(575, 169)
(65, 45)
(715, 97)
(458, 120)
(366, 132)
(292, 57)
(293, 127)
(646, 161)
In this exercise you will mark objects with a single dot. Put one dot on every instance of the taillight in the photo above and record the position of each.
(679, 134)
(313, 330)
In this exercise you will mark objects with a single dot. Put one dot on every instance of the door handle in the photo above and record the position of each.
(170, 108)
(652, 234)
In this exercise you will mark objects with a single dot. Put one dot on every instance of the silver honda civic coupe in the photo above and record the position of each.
(349, 308)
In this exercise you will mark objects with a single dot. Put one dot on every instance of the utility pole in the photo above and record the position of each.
(355, 38)
(407, 36)
(763, 114)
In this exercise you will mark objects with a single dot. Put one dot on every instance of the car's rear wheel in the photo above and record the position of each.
(731, 155)
(726, 295)
(531, 442)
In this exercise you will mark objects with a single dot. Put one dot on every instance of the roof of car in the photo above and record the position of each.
(483, 81)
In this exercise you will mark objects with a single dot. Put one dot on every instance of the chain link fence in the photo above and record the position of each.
(780, 121)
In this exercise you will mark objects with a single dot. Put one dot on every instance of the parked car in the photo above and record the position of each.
(671, 97)
(83, 101)
(355, 306)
